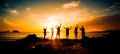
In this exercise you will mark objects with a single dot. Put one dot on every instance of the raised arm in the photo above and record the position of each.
(46, 28)
(60, 24)
(64, 27)
(70, 27)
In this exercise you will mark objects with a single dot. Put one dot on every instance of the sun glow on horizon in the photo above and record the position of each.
(52, 24)
(34, 17)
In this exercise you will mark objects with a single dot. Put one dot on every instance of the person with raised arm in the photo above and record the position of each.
(76, 31)
(45, 32)
(83, 32)
(58, 31)
(67, 31)
(52, 31)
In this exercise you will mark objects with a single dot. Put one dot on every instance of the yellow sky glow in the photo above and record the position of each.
(34, 19)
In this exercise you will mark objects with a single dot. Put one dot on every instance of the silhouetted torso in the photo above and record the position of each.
(83, 32)
(58, 31)
(76, 28)
(76, 32)
(45, 32)
(67, 31)
(52, 31)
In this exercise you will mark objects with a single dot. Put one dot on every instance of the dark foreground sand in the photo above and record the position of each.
(33, 45)
(45, 46)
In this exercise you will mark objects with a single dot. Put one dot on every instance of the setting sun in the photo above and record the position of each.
(53, 24)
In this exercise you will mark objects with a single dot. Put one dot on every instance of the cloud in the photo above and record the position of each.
(7, 5)
(28, 9)
(68, 12)
(0, 17)
(105, 23)
(13, 12)
(9, 22)
(114, 9)
(113, 6)
(71, 4)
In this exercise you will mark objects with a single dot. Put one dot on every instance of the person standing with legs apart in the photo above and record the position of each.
(67, 31)
(83, 32)
(45, 32)
(76, 31)
(58, 31)
(52, 32)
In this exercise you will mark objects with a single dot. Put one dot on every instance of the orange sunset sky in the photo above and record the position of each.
(33, 15)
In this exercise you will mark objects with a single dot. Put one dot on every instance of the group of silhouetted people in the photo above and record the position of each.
(82, 31)
(67, 31)
(52, 31)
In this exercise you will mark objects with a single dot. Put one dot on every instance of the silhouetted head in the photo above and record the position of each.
(76, 25)
(57, 26)
(82, 26)
(52, 26)
(67, 27)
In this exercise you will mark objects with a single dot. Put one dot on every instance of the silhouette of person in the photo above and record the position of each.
(76, 31)
(52, 32)
(83, 31)
(67, 31)
(58, 31)
(45, 32)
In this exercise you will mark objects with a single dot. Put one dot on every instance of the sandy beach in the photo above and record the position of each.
(56, 46)
(34, 45)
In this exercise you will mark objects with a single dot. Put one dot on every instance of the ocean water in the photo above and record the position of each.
(16, 36)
